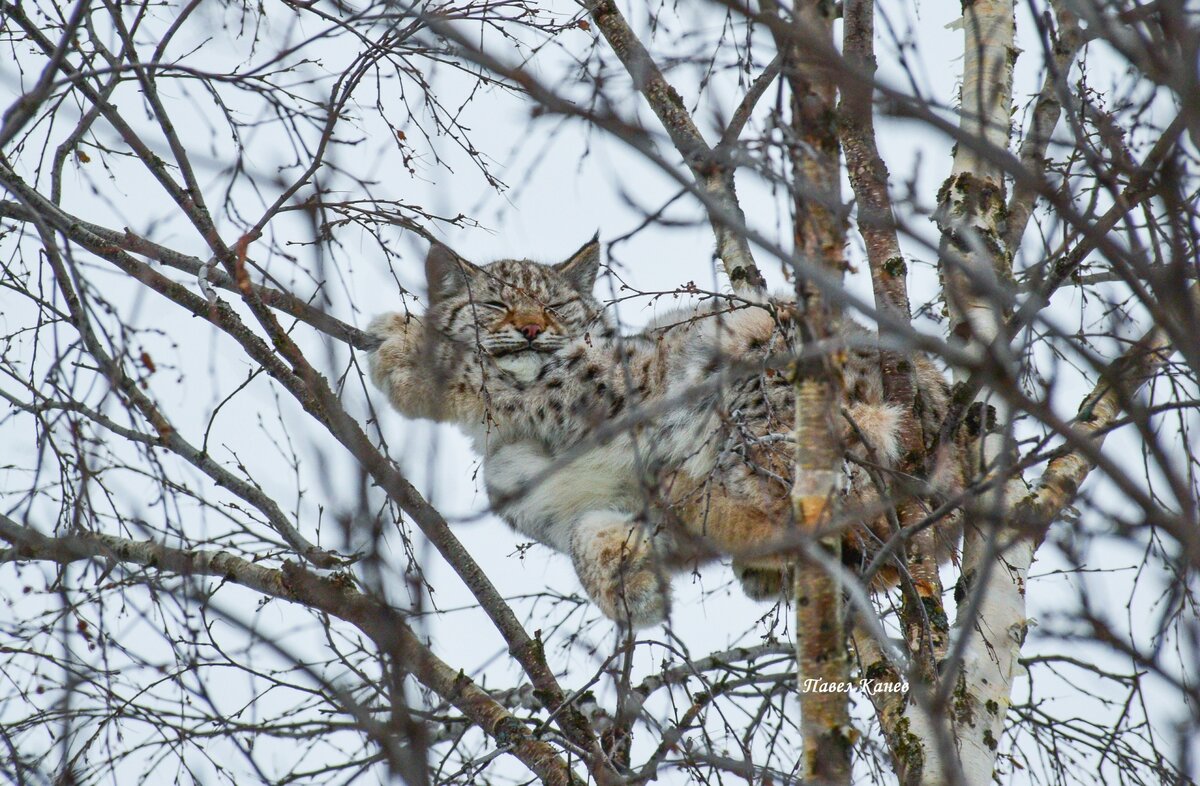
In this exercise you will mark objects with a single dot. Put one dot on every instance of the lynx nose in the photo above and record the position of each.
(531, 330)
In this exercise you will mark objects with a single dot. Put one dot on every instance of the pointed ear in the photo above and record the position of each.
(583, 265)
(445, 272)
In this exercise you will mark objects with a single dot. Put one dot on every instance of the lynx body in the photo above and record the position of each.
(634, 455)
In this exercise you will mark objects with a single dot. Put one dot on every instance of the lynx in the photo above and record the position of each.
(637, 456)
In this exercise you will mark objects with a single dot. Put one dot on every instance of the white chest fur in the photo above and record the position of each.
(523, 366)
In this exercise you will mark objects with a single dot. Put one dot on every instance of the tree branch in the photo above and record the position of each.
(335, 596)
(1118, 385)
(712, 175)
(925, 623)
(1064, 45)
(96, 238)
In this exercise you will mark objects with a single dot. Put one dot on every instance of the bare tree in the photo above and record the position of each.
(217, 564)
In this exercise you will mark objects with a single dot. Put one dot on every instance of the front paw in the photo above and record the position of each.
(396, 357)
(617, 566)
(401, 331)
(764, 582)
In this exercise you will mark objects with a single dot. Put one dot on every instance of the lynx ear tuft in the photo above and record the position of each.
(583, 265)
(445, 272)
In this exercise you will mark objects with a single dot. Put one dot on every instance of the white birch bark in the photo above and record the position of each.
(991, 620)
(989, 659)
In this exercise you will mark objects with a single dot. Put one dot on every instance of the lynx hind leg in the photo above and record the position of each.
(617, 565)
(762, 582)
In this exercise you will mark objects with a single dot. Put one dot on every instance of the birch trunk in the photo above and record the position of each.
(822, 658)
(989, 661)
(990, 624)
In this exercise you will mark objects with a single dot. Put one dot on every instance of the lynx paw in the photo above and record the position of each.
(764, 582)
(616, 564)
(389, 324)
(396, 344)
(401, 331)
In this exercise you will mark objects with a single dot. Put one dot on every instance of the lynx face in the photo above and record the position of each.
(518, 312)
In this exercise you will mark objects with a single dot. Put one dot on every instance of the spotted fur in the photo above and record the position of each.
(635, 455)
